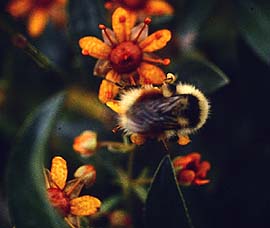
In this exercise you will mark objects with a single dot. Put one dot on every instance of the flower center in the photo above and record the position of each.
(126, 57)
(134, 4)
(59, 200)
(43, 3)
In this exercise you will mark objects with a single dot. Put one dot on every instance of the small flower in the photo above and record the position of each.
(125, 57)
(120, 218)
(86, 143)
(142, 8)
(64, 195)
(38, 12)
(190, 170)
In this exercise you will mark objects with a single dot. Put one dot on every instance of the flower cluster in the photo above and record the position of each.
(190, 170)
(38, 12)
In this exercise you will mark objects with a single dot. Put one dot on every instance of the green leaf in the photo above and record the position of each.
(203, 74)
(254, 23)
(195, 14)
(28, 202)
(165, 205)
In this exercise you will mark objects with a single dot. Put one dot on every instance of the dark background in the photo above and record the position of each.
(235, 139)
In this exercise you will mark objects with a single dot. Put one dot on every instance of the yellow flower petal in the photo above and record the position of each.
(94, 47)
(122, 23)
(156, 41)
(18, 8)
(37, 22)
(84, 205)
(156, 7)
(59, 172)
(114, 105)
(108, 90)
(150, 74)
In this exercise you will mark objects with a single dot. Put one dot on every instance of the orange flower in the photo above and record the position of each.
(86, 143)
(64, 196)
(120, 218)
(142, 8)
(38, 12)
(190, 170)
(125, 56)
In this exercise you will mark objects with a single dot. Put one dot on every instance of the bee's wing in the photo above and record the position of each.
(155, 114)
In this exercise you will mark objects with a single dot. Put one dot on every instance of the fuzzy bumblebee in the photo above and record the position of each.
(161, 112)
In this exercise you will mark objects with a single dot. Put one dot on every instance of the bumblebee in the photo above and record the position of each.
(161, 112)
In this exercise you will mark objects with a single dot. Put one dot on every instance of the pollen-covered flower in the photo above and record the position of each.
(142, 8)
(38, 12)
(125, 57)
(64, 196)
(86, 143)
(190, 170)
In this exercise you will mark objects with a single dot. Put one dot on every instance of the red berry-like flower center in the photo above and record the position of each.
(59, 200)
(126, 57)
(43, 3)
(134, 4)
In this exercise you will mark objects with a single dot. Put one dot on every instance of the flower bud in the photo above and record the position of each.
(120, 218)
(86, 143)
(190, 170)
(87, 173)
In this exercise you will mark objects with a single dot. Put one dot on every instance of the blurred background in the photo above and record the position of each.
(221, 46)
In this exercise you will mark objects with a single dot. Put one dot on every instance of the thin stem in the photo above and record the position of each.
(21, 42)
(190, 224)
(130, 165)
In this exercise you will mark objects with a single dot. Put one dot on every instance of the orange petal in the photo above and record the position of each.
(19, 8)
(84, 205)
(114, 105)
(156, 40)
(108, 90)
(156, 8)
(58, 14)
(94, 47)
(150, 74)
(186, 177)
(201, 182)
(37, 22)
(122, 23)
(62, 2)
(203, 168)
(196, 158)
(59, 172)
(181, 162)
(183, 140)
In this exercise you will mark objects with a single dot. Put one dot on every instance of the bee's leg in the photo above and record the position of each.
(168, 89)
(170, 78)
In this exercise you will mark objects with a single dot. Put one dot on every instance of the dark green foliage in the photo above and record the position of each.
(28, 202)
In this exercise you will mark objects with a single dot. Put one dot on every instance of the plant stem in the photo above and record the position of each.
(21, 42)
(190, 224)
(130, 164)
